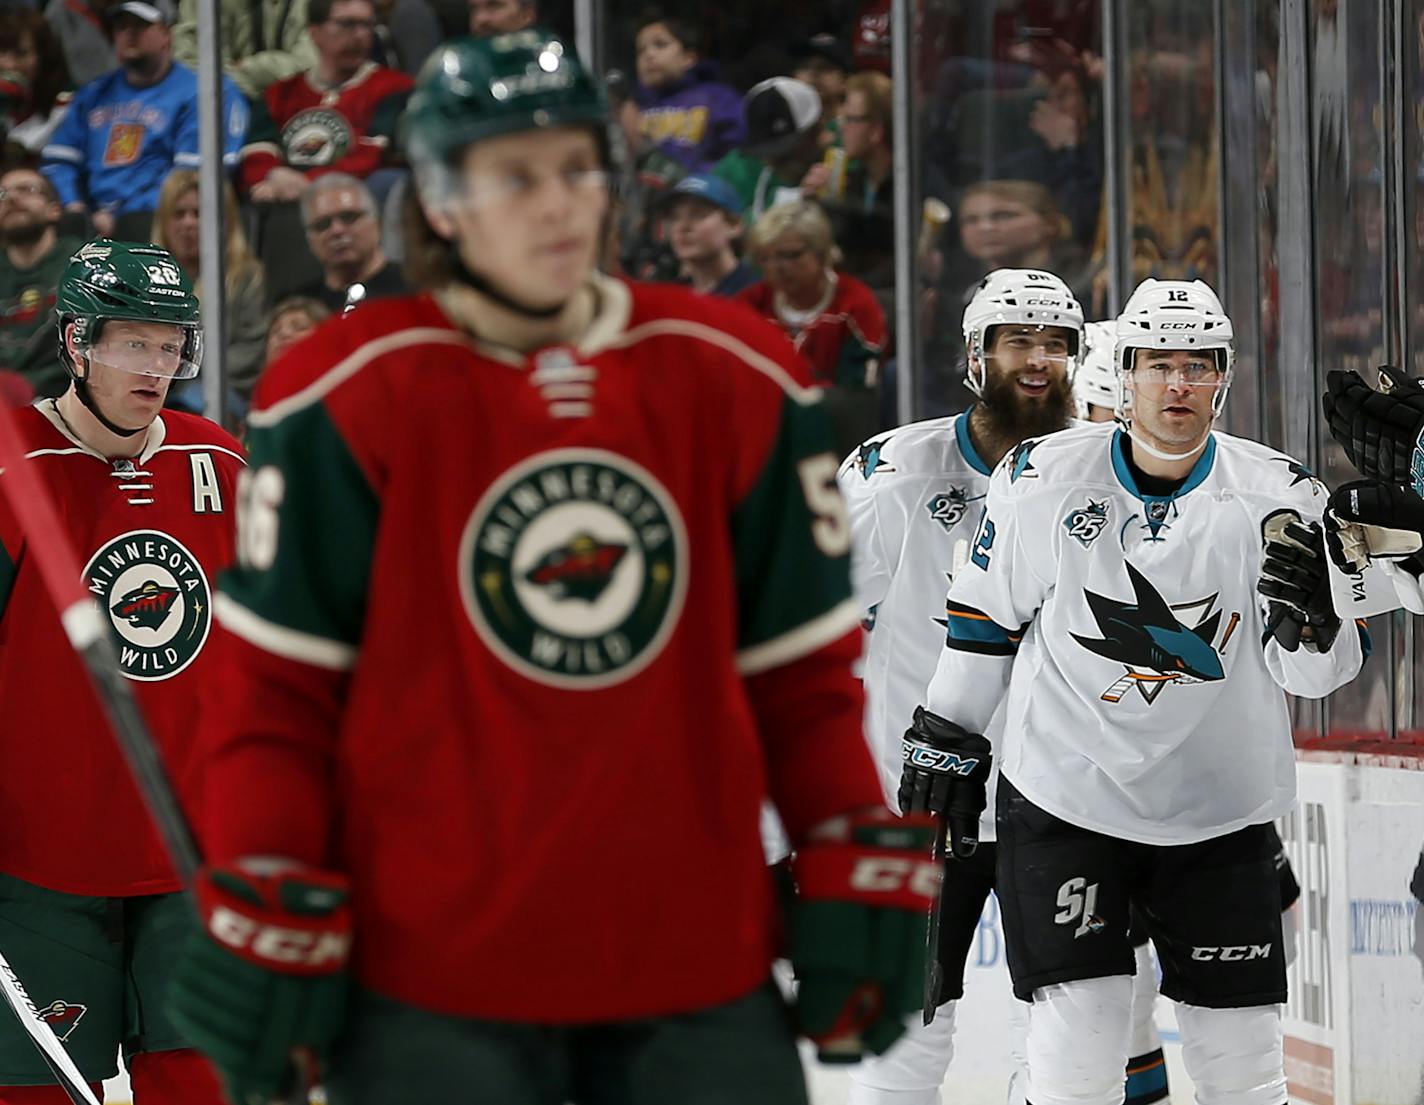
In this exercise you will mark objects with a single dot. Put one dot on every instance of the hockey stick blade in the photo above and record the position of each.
(934, 972)
(55, 1057)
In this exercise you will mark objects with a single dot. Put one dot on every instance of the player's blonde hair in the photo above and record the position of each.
(804, 219)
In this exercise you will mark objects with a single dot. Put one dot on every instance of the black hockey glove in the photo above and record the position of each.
(1296, 580)
(946, 772)
(1378, 429)
(1367, 520)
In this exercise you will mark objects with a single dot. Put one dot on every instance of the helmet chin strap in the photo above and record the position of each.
(81, 388)
(1162, 454)
(480, 284)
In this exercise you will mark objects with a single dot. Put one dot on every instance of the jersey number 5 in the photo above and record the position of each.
(259, 495)
(831, 528)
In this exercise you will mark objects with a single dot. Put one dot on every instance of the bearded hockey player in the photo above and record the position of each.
(544, 585)
(89, 909)
(914, 495)
(1144, 740)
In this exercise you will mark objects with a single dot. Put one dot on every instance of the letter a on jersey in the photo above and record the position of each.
(573, 568)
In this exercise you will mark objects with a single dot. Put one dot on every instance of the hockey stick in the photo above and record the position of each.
(934, 970)
(57, 1059)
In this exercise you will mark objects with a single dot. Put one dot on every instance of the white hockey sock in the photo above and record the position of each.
(913, 1070)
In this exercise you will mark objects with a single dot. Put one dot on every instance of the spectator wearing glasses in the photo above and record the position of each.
(127, 130)
(33, 257)
(344, 234)
(500, 17)
(339, 115)
(262, 41)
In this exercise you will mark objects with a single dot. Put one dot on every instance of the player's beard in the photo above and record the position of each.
(1015, 417)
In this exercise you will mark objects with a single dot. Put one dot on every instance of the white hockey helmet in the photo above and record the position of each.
(1017, 297)
(1173, 314)
(1095, 382)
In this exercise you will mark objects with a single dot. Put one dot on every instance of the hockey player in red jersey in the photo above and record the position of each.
(542, 588)
(89, 913)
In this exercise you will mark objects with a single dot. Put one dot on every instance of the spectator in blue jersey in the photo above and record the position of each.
(686, 114)
(127, 130)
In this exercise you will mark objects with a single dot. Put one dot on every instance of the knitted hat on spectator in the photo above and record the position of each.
(779, 111)
(150, 11)
(477, 88)
(712, 189)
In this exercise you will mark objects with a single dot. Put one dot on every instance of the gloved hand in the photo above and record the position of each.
(946, 772)
(1296, 580)
(267, 975)
(1366, 519)
(865, 884)
(1378, 430)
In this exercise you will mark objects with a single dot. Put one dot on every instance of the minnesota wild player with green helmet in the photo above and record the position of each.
(544, 591)
(89, 903)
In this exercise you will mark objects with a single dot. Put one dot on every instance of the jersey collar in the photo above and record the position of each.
(966, 444)
(157, 431)
(1194, 479)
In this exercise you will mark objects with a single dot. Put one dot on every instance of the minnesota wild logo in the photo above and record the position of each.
(158, 601)
(573, 568)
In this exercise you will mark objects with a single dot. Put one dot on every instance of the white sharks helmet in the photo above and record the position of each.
(1017, 297)
(1095, 382)
(1173, 314)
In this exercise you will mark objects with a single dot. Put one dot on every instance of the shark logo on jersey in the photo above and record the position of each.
(1020, 466)
(158, 600)
(1086, 523)
(582, 569)
(1152, 643)
(573, 568)
(870, 459)
(1302, 474)
(948, 507)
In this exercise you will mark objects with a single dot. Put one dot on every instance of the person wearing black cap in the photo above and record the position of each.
(783, 141)
(824, 64)
(127, 130)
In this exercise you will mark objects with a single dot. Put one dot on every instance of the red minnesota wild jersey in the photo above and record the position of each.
(151, 534)
(521, 643)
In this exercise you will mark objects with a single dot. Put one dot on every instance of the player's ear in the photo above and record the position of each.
(438, 216)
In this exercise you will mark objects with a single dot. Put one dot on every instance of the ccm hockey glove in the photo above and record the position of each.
(1296, 581)
(864, 886)
(267, 976)
(1379, 430)
(945, 772)
(1366, 519)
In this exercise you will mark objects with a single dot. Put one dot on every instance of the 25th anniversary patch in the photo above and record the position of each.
(573, 568)
(157, 599)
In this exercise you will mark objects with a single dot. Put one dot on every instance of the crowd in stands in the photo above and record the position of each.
(769, 178)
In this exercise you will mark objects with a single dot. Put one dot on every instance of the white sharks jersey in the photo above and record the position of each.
(1143, 700)
(914, 494)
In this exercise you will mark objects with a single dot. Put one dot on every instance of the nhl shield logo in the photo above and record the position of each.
(573, 568)
(157, 599)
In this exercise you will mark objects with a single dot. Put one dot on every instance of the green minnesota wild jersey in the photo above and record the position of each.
(547, 629)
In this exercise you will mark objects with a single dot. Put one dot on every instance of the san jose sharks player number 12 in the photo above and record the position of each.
(1145, 741)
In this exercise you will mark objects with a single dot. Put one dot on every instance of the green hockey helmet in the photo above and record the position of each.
(108, 281)
(476, 88)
